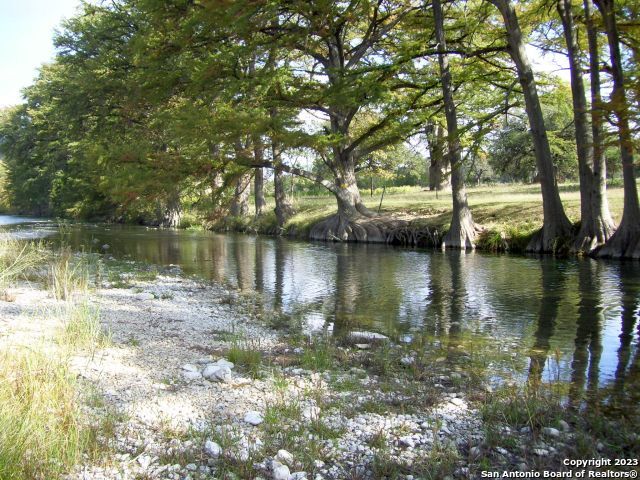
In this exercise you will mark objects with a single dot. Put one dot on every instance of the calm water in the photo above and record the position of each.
(573, 319)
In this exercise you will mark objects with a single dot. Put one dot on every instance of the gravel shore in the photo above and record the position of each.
(178, 408)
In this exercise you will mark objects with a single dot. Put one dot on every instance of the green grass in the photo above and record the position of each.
(247, 356)
(81, 327)
(44, 430)
(17, 260)
(41, 427)
(510, 213)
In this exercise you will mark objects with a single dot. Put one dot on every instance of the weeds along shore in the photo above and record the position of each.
(112, 369)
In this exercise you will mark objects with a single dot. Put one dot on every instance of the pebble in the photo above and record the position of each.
(280, 471)
(212, 449)
(189, 376)
(253, 418)
(551, 432)
(564, 426)
(217, 373)
(284, 457)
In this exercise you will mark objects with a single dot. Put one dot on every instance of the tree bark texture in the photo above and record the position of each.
(625, 242)
(258, 153)
(438, 167)
(556, 226)
(462, 231)
(240, 202)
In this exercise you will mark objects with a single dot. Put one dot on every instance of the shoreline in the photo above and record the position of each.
(290, 403)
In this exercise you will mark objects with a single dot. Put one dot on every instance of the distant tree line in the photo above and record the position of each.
(154, 105)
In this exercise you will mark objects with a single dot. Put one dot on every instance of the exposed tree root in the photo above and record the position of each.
(339, 228)
(554, 238)
(462, 235)
(625, 243)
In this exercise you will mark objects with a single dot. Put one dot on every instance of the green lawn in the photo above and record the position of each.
(496, 207)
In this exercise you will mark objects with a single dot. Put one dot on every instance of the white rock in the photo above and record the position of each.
(189, 376)
(298, 476)
(407, 360)
(458, 402)
(284, 457)
(318, 463)
(224, 363)
(363, 346)
(364, 335)
(541, 452)
(552, 432)
(212, 449)
(190, 368)
(253, 418)
(280, 471)
(407, 441)
(564, 425)
(475, 452)
(144, 296)
(144, 461)
(217, 373)
(311, 413)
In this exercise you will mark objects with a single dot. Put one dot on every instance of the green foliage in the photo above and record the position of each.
(511, 154)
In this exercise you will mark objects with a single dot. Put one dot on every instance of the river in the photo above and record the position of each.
(571, 319)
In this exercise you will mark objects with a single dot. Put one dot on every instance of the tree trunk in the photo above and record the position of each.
(346, 225)
(258, 153)
(462, 231)
(588, 236)
(172, 214)
(284, 210)
(556, 226)
(438, 168)
(603, 225)
(240, 203)
(625, 242)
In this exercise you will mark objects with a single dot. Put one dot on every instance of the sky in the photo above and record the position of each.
(26, 41)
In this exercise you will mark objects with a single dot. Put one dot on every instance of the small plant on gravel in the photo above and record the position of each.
(247, 356)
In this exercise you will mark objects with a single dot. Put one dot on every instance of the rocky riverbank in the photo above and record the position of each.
(194, 383)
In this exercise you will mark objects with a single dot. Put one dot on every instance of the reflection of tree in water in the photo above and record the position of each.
(627, 371)
(457, 303)
(217, 255)
(241, 249)
(445, 310)
(280, 264)
(436, 321)
(346, 289)
(259, 264)
(588, 345)
(366, 293)
(553, 290)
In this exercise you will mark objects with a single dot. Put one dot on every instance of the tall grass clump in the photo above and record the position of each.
(17, 259)
(41, 433)
(81, 327)
(67, 274)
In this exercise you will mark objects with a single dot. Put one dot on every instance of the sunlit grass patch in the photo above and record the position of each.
(41, 427)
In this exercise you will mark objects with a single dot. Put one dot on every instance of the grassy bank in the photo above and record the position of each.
(43, 430)
(510, 214)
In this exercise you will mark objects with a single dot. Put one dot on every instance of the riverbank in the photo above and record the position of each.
(186, 379)
(509, 214)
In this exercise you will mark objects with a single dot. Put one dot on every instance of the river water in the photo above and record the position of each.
(572, 319)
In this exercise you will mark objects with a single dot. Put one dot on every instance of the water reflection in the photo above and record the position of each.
(583, 314)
